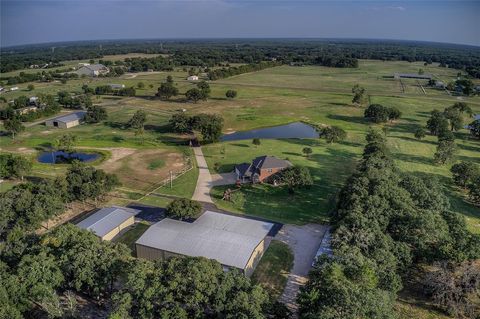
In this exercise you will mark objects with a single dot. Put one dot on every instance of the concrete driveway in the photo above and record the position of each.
(224, 179)
(204, 181)
(304, 241)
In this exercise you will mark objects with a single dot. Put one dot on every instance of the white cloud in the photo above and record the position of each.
(397, 8)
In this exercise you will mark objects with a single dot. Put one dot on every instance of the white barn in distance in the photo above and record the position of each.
(67, 121)
(93, 70)
(192, 78)
(235, 242)
(109, 221)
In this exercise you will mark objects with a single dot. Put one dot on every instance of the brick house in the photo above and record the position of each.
(260, 169)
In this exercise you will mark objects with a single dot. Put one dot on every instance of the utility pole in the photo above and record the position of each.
(171, 179)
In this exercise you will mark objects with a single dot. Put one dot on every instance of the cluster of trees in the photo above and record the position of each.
(183, 208)
(96, 114)
(209, 125)
(137, 122)
(108, 90)
(294, 177)
(81, 101)
(46, 106)
(467, 176)
(341, 53)
(236, 70)
(201, 92)
(44, 76)
(378, 113)
(167, 89)
(14, 166)
(386, 222)
(442, 124)
(332, 134)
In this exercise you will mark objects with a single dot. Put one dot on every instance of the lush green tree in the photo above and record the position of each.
(437, 122)
(194, 95)
(183, 208)
(96, 114)
(209, 125)
(474, 191)
(295, 177)
(14, 166)
(455, 118)
(138, 120)
(169, 79)
(420, 133)
(394, 113)
(307, 151)
(30, 87)
(475, 128)
(333, 134)
(446, 150)
(231, 94)
(464, 173)
(140, 85)
(358, 95)
(377, 113)
(256, 141)
(87, 182)
(167, 90)
(66, 142)
(20, 102)
(180, 122)
(13, 125)
(205, 90)
(463, 108)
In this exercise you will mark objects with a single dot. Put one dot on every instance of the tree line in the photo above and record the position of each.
(386, 223)
(209, 125)
(236, 70)
(340, 53)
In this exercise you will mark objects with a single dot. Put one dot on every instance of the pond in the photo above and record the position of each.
(292, 130)
(61, 157)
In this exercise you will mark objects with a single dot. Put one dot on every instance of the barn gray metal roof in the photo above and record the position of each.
(71, 117)
(106, 219)
(228, 239)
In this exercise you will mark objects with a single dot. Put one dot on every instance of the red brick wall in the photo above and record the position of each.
(264, 173)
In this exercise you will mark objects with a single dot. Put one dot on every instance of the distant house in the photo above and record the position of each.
(235, 242)
(192, 78)
(67, 121)
(109, 221)
(93, 70)
(117, 86)
(412, 76)
(27, 109)
(440, 85)
(83, 64)
(1, 89)
(14, 88)
(261, 168)
(33, 100)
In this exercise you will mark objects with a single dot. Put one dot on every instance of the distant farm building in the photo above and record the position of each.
(117, 86)
(25, 110)
(83, 64)
(412, 76)
(235, 242)
(192, 78)
(14, 88)
(93, 70)
(33, 100)
(260, 169)
(67, 121)
(109, 221)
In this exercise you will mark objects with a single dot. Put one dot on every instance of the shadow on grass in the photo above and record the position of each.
(413, 158)
(240, 145)
(351, 119)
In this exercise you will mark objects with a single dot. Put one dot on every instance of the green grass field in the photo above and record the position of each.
(273, 269)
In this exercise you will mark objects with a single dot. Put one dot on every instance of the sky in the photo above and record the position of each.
(40, 21)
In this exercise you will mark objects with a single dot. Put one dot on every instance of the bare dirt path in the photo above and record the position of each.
(204, 181)
(304, 242)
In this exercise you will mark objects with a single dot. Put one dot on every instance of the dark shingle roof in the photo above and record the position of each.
(265, 162)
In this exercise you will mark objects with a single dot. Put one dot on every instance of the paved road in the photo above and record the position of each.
(304, 242)
(204, 181)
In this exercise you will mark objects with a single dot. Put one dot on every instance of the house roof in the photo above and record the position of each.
(228, 239)
(95, 67)
(244, 169)
(265, 162)
(71, 117)
(106, 219)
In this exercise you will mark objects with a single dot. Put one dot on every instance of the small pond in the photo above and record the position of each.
(292, 130)
(61, 157)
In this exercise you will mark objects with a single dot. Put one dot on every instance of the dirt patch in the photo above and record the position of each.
(134, 170)
(117, 154)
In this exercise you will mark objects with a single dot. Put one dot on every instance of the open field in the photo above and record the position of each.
(319, 95)
(273, 269)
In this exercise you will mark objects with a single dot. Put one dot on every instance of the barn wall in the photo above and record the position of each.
(255, 258)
